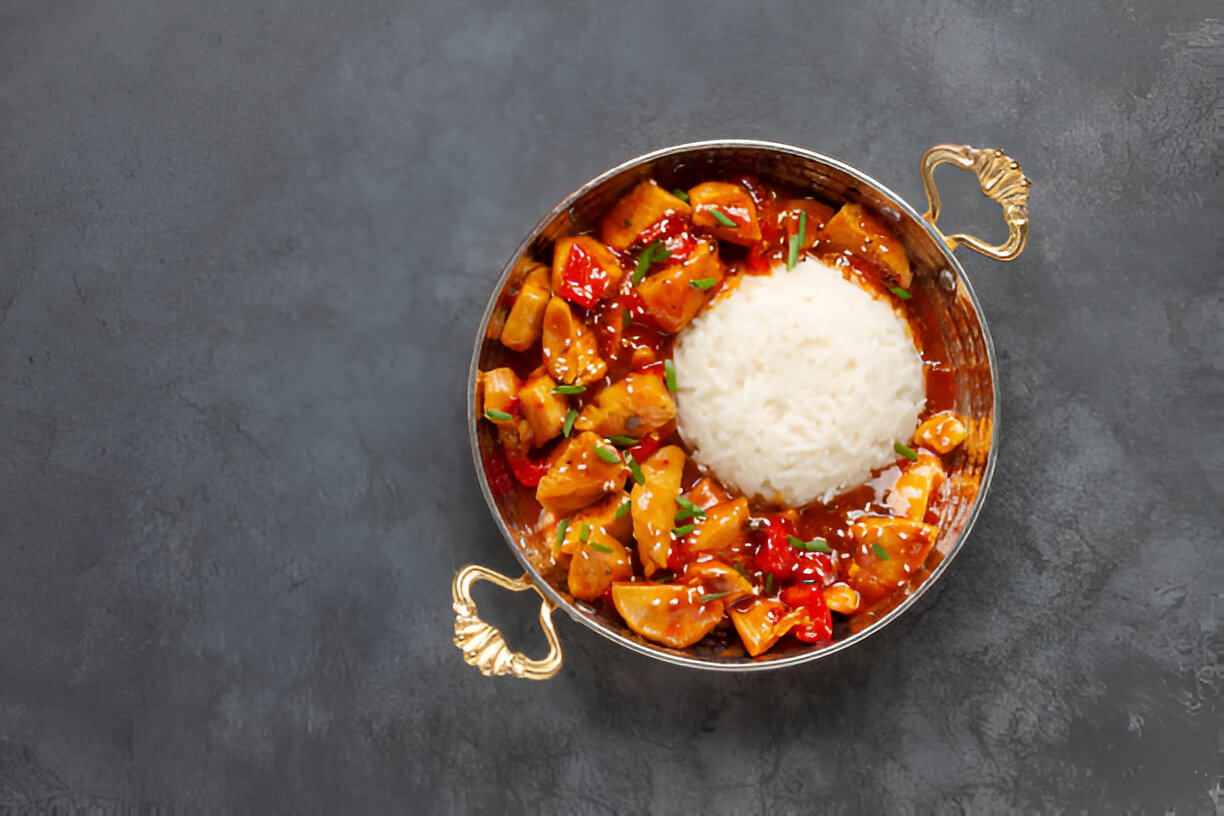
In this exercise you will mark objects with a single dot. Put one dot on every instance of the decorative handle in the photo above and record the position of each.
(483, 645)
(1001, 180)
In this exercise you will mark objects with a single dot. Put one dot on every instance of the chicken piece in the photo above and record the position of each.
(499, 394)
(526, 319)
(584, 271)
(941, 432)
(722, 526)
(818, 215)
(672, 297)
(862, 233)
(761, 622)
(634, 406)
(543, 410)
(654, 506)
(707, 493)
(670, 614)
(912, 492)
(714, 577)
(734, 203)
(889, 552)
(603, 516)
(642, 207)
(841, 598)
(597, 562)
(569, 347)
(579, 475)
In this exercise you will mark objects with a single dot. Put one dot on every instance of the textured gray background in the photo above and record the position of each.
(244, 248)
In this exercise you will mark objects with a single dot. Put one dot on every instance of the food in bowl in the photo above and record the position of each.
(718, 401)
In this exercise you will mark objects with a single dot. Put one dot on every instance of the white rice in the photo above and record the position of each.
(795, 385)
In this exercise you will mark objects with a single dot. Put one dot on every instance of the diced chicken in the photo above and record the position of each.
(722, 526)
(714, 577)
(912, 492)
(761, 622)
(499, 389)
(603, 516)
(654, 506)
(634, 406)
(672, 297)
(707, 493)
(670, 614)
(941, 432)
(734, 204)
(841, 598)
(569, 347)
(579, 476)
(525, 322)
(642, 207)
(597, 562)
(889, 552)
(818, 215)
(584, 271)
(543, 410)
(859, 231)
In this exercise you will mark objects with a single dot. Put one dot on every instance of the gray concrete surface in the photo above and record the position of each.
(243, 251)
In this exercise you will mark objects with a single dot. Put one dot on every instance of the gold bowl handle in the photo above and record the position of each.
(1001, 180)
(483, 645)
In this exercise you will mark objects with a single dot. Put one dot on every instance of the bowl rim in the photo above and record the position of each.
(677, 657)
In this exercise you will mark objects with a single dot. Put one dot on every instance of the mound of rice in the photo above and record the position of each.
(795, 385)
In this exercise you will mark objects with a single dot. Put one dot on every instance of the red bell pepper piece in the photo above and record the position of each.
(672, 230)
(809, 598)
(583, 280)
(528, 471)
(495, 471)
(774, 553)
(645, 446)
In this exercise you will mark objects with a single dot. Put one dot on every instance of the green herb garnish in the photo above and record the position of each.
(796, 542)
(623, 441)
(584, 532)
(713, 596)
(688, 510)
(497, 416)
(796, 241)
(680, 194)
(607, 455)
(626, 319)
(680, 532)
(899, 292)
(603, 548)
(568, 425)
(906, 451)
(880, 552)
(669, 373)
(703, 283)
(721, 218)
(742, 570)
(569, 389)
(815, 545)
(623, 510)
(561, 528)
(654, 251)
(768, 582)
(634, 469)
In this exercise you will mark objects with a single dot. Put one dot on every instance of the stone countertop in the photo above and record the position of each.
(244, 249)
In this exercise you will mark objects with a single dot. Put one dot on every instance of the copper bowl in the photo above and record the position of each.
(941, 294)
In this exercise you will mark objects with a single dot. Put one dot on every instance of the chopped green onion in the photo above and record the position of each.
(655, 251)
(497, 416)
(906, 451)
(880, 552)
(721, 218)
(688, 510)
(680, 532)
(669, 372)
(569, 389)
(796, 241)
(796, 542)
(704, 283)
(626, 319)
(584, 532)
(680, 194)
(741, 569)
(713, 596)
(623, 441)
(819, 545)
(635, 469)
(899, 292)
(568, 425)
(683, 515)
(561, 528)
(768, 582)
(608, 456)
(603, 548)
(623, 510)
(802, 226)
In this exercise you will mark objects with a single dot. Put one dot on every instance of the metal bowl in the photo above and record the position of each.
(942, 297)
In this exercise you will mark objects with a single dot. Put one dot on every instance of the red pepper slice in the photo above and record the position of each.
(583, 280)
(809, 598)
(495, 472)
(813, 566)
(528, 471)
(645, 446)
(774, 553)
(673, 231)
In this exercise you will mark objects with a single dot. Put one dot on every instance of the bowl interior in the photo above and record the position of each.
(960, 360)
